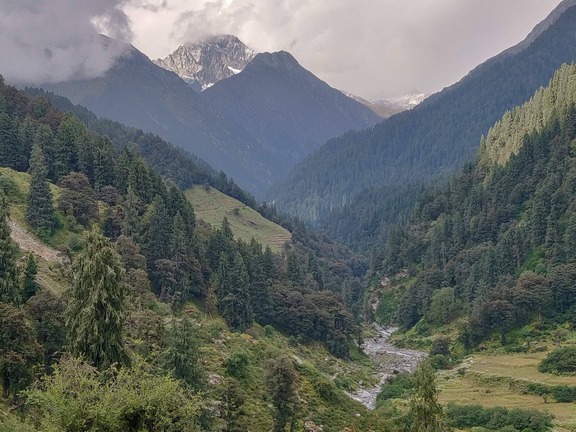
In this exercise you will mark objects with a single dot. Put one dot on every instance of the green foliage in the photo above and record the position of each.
(47, 312)
(77, 398)
(78, 198)
(560, 361)
(96, 313)
(236, 365)
(182, 358)
(396, 387)
(494, 244)
(425, 414)
(498, 418)
(10, 291)
(233, 406)
(282, 381)
(40, 211)
(30, 272)
(439, 362)
(19, 350)
(376, 174)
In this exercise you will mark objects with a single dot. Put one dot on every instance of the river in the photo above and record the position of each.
(389, 360)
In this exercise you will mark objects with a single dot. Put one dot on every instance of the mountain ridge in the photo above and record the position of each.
(429, 141)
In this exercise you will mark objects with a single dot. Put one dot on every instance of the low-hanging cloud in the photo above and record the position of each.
(57, 40)
(368, 47)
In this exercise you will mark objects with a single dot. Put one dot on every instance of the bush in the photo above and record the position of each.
(560, 361)
(497, 418)
(564, 394)
(439, 362)
(397, 386)
(440, 345)
(8, 185)
(237, 364)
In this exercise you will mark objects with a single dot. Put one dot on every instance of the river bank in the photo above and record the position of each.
(389, 359)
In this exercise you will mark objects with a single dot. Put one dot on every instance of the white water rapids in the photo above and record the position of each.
(389, 360)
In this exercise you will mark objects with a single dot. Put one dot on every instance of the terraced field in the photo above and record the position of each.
(212, 206)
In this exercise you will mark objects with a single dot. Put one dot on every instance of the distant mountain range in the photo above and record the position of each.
(291, 111)
(202, 64)
(436, 137)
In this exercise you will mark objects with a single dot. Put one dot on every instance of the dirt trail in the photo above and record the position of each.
(30, 244)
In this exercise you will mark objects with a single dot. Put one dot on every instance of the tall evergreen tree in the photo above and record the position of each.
(40, 211)
(30, 284)
(426, 414)
(9, 145)
(235, 305)
(96, 314)
(294, 269)
(282, 382)
(131, 226)
(159, 232)
(182, 357)
(10, 291)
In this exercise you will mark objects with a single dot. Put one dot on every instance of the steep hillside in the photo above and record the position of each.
(289, 110)
(494, 249)
(434, 138)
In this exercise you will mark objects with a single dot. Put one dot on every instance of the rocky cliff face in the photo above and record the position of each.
(203, 64)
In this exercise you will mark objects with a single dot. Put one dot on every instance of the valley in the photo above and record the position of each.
(219, 240)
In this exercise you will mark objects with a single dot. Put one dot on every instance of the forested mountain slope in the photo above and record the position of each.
(286, 108)
(434, 138)
(140, 275)
(496, 246)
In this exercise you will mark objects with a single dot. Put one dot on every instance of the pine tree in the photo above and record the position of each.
(235, 305)
(95, 316)
(426, 414)
(30, 284)
(10, 291)
(131, 226)
(182, 358)
(40, 211)
(159, 232)
(9, 145)
(282, 382)
(294, 269)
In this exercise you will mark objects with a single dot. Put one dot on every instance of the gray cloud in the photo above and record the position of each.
(56, 40)
(369, 47)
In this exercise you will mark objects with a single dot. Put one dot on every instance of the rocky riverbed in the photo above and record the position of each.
(389, 360)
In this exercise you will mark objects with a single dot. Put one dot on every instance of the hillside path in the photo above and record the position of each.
(28, 243)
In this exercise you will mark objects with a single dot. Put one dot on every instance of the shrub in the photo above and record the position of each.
(565, 394)
(497, 418)
(397, 386)
(560, 361)
(439, 362)
(237, 364)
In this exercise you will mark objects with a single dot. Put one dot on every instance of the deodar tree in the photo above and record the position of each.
(95, 316)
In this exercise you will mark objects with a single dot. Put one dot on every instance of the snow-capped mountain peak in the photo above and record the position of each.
(402, 103)
(202, 64)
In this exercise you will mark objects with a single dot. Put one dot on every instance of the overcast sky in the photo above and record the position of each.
(368, 47)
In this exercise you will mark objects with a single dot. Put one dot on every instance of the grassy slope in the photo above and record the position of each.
(496, 380)
(211, 206)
